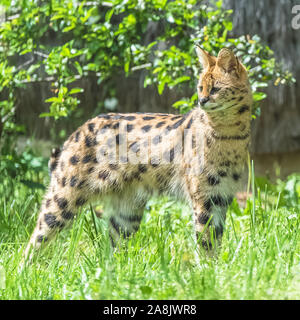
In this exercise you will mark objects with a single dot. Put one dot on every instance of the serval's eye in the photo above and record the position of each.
(201, 88)
(214, 90)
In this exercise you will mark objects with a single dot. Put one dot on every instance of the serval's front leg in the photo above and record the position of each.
(209, 220)
(209, 215)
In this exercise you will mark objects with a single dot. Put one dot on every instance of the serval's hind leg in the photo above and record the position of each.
(57, 212)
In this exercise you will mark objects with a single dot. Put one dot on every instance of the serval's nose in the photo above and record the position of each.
(203, 100)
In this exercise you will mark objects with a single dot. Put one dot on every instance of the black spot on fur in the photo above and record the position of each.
(189, 124)
(219, 201)
(62, 203)
(176, 117)
(63, 181)
(178, 123)
(55, 153)
(48, 202)
(104, 116)
(118, 116)
(222, 173)
(203, 218)
(160, 124)
(129, 127)
(225, 163)
(243, 109)
(212, 180)
(73, 181)
(77, 135)
(53, 166)
(131, 218)
(207, 205)
(51, 221)
(91, 127)
(146, 128)
(114, 224)
(236, 176)
(112, 240)
(142, 168)
(154, 161)
(80, 202)
(119, 139)
(74, 160)
(127, 178)
(105, 127)
(91, 169)
(157, 139)
(229, 200)
(87, 158)
(81, 183)
(135, 147)
(206, 244)
(136, 175)
(88, 141)
(113, 166)
(168, 129)
(148, 118)
(103, 174)
(230, 137)
(41, 238)
(67, 215)
(116, 125)
(129, 118)
(169, 156)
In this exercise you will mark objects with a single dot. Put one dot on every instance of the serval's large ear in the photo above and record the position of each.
(205, 58)
(228, 62)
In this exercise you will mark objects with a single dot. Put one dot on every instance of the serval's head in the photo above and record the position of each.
(223, 83)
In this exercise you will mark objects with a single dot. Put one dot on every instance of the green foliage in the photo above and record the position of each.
(25, 168)
(288, 191)
(64, 41)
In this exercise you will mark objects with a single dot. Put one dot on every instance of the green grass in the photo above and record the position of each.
(259, 257)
